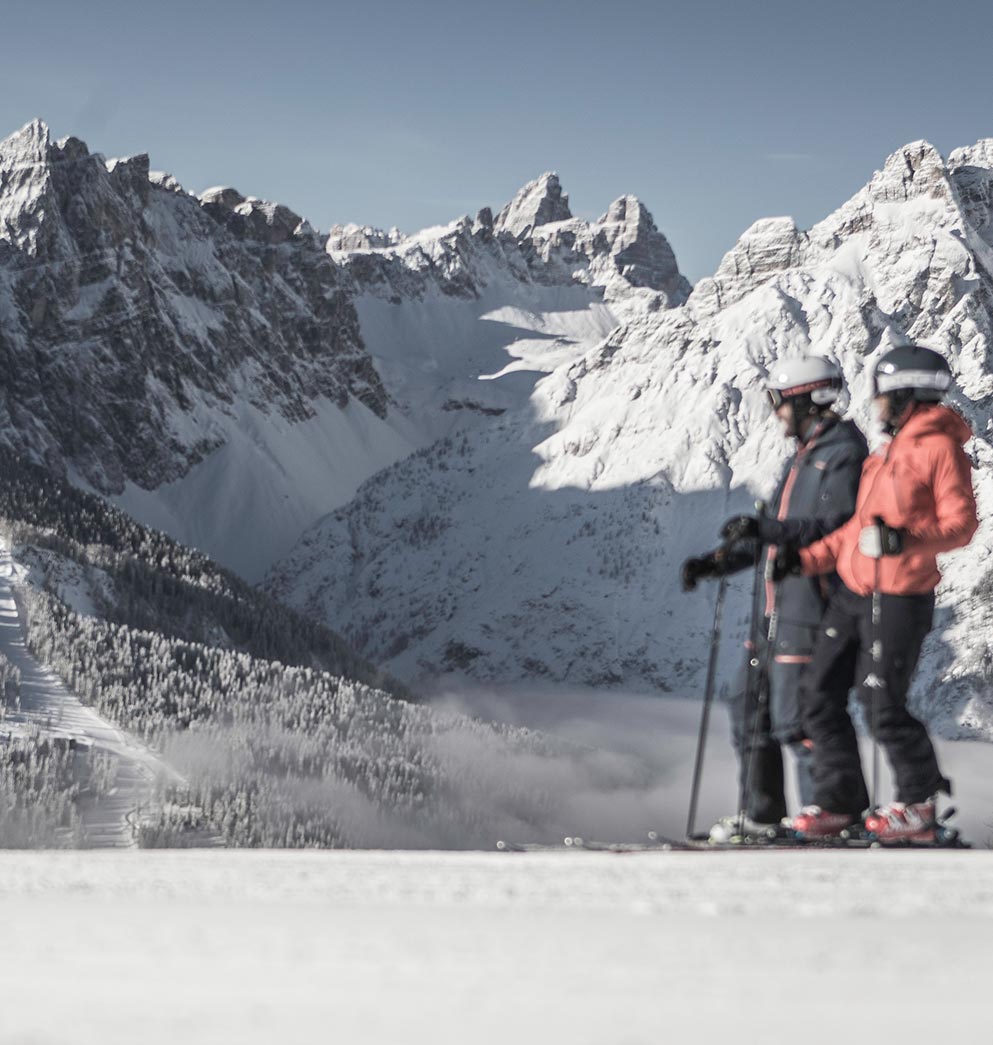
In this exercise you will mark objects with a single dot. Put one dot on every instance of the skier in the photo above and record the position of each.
(815, 496)
(915, 500)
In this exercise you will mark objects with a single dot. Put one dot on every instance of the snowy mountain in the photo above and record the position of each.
(147, 335)
(200, 359)
(545, 542)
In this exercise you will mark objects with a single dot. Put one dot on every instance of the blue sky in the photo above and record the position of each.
(714, 113)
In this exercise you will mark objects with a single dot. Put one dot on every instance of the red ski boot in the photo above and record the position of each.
(897, 822)
(814, 822)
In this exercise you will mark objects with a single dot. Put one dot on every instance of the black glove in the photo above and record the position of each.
(740, 528)
(880, 539)
(750, 528)
(786, 563)
(697, 569)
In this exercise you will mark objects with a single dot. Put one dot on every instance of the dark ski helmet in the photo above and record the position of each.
(912, 372)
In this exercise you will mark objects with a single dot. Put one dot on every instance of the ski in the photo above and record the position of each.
(946, 837)
(574, 843)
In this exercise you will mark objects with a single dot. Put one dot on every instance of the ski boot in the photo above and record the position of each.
(897, 823)
(814, 822)
(739, 827)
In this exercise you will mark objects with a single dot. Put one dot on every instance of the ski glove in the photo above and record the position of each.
(750, 528)
(786, 563)
(697, 569)
(880, 539)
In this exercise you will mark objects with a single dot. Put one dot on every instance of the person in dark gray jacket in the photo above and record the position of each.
(815, 496)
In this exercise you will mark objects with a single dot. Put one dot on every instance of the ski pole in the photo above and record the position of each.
(758, 673)
(877, 673)
(708, 697)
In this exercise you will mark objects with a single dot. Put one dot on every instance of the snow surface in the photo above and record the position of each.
(247, 502)
(433, 352)
(259, 947)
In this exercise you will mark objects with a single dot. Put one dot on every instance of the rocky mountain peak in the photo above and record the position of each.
(250, 218)
(361, 237)
(915, 170)
(24, 184)
(30, 141)
(540, 202)
(767, 246)
(971, 172)
(978, 155)
(223, 196)
(641, 253)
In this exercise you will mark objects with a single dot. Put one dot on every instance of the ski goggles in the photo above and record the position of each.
(925, 380)
(778, 396)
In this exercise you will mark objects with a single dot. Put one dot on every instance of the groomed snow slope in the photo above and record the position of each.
(444, 949)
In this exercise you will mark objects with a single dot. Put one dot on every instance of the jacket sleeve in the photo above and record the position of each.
(821, 556)
(838, 491)
(955, 519)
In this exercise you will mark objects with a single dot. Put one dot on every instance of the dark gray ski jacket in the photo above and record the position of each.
(815, 496)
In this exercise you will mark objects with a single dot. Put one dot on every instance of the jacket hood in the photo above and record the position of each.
(935, 419)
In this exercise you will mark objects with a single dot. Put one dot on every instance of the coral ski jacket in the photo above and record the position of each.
(920, 483)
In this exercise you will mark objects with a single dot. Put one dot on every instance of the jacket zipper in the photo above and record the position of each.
(868, 497)
(784, 506)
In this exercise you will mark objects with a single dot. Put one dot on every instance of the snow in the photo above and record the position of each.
(91, 296)
(434, 350)
(449, 948)
(280, 475)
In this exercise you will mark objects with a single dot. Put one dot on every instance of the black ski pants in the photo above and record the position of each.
(766, 718)
(842, 657)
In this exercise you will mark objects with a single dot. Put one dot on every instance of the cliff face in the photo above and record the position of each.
(132, 314)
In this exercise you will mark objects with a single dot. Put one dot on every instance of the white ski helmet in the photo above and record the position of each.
(813, 377)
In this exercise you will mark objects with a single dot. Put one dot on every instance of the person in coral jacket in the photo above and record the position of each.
(915, 501)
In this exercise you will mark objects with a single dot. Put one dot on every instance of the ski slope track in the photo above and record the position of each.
(49, 707)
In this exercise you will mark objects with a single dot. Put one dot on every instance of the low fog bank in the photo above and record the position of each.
(653, 738)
